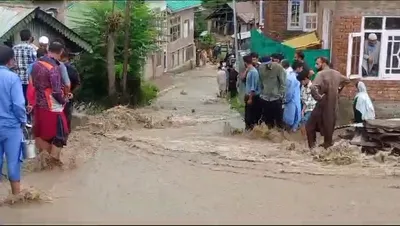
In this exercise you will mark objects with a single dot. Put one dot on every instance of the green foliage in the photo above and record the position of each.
(93, 67)
(213, 4)
(148, 92)
(207, 41)
(237, 105)
(200, 23)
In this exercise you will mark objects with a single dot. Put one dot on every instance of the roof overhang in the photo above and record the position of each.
(29, 14)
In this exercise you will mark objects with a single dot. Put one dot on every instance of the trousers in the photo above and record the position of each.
(252, 112)
(11, 146)
(272, 113)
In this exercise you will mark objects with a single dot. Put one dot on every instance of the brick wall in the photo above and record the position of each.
(275, 18)
(342, 26)
(383, 90)
(347, 19)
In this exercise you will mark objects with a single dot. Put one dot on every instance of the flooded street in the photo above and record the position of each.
(175, 162)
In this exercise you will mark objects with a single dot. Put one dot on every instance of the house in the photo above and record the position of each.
(221, 20)
(352, 22)
(181, 47)
(344, 27)
(176, 41)
(156, 63)
(288, 18)
(18, 17)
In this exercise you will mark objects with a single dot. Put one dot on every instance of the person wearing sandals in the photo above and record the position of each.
(12, 118)
(51, 127)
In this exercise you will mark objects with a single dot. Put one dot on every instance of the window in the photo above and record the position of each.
(175, 28)
(302, 15)
(378, 59)
(189, 53)
(186, 28)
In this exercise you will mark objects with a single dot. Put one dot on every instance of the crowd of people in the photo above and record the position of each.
(36, 89)
(293, 97)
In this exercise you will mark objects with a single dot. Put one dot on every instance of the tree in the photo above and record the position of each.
(126, 46)
(214, 4)
(100, 24)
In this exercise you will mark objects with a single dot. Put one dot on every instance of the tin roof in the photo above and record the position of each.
(245, 11)
(14, 18)
(176, 6)
(10, 17)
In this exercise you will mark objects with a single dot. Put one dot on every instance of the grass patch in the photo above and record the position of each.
(237, 105)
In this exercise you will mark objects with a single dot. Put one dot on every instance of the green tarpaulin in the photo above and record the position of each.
(266, 46)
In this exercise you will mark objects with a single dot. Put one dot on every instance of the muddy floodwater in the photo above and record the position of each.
(179, 161)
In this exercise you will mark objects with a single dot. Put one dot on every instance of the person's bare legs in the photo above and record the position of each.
(15, 187)
(42, 145)
(303, 131)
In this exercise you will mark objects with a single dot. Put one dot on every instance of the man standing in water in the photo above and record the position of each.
(252, 97)
(273, 79)
(51, 127)
(74, 78)
(12, 118)
(325, 90)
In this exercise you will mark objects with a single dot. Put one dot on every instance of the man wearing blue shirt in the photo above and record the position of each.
(12, 118)
(252, 97)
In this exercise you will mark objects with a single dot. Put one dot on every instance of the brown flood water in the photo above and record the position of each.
(183, 168)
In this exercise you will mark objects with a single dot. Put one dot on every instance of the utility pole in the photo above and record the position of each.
(236, 34)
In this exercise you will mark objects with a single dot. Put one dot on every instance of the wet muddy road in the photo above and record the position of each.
(176, 164)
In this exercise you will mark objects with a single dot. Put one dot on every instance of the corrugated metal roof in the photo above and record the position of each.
(245, 11)
(176, 6)
(11, 16)
(20, 16)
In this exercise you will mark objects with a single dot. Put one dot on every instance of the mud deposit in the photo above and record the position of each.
(186, 157)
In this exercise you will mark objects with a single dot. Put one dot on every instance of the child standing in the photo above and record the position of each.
(307, 100)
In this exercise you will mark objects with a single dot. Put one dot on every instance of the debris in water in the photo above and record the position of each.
(183, 92)
(229, 130)
(174, 109)
(193, 111)
(342, 153)
(291, 147)
(262, 131)
(210, 100)
(27, 195)
(124, 138)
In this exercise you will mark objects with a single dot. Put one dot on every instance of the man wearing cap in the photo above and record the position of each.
(370, 62)
(273, 79)
(43, 42)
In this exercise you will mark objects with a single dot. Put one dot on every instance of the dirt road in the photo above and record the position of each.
(180, 166)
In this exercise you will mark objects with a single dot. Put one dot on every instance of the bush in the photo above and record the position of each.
(148, 92)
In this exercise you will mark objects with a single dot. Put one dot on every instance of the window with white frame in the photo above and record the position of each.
(302, 15)
(186, 28)
(374, 52)
(175, 28)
